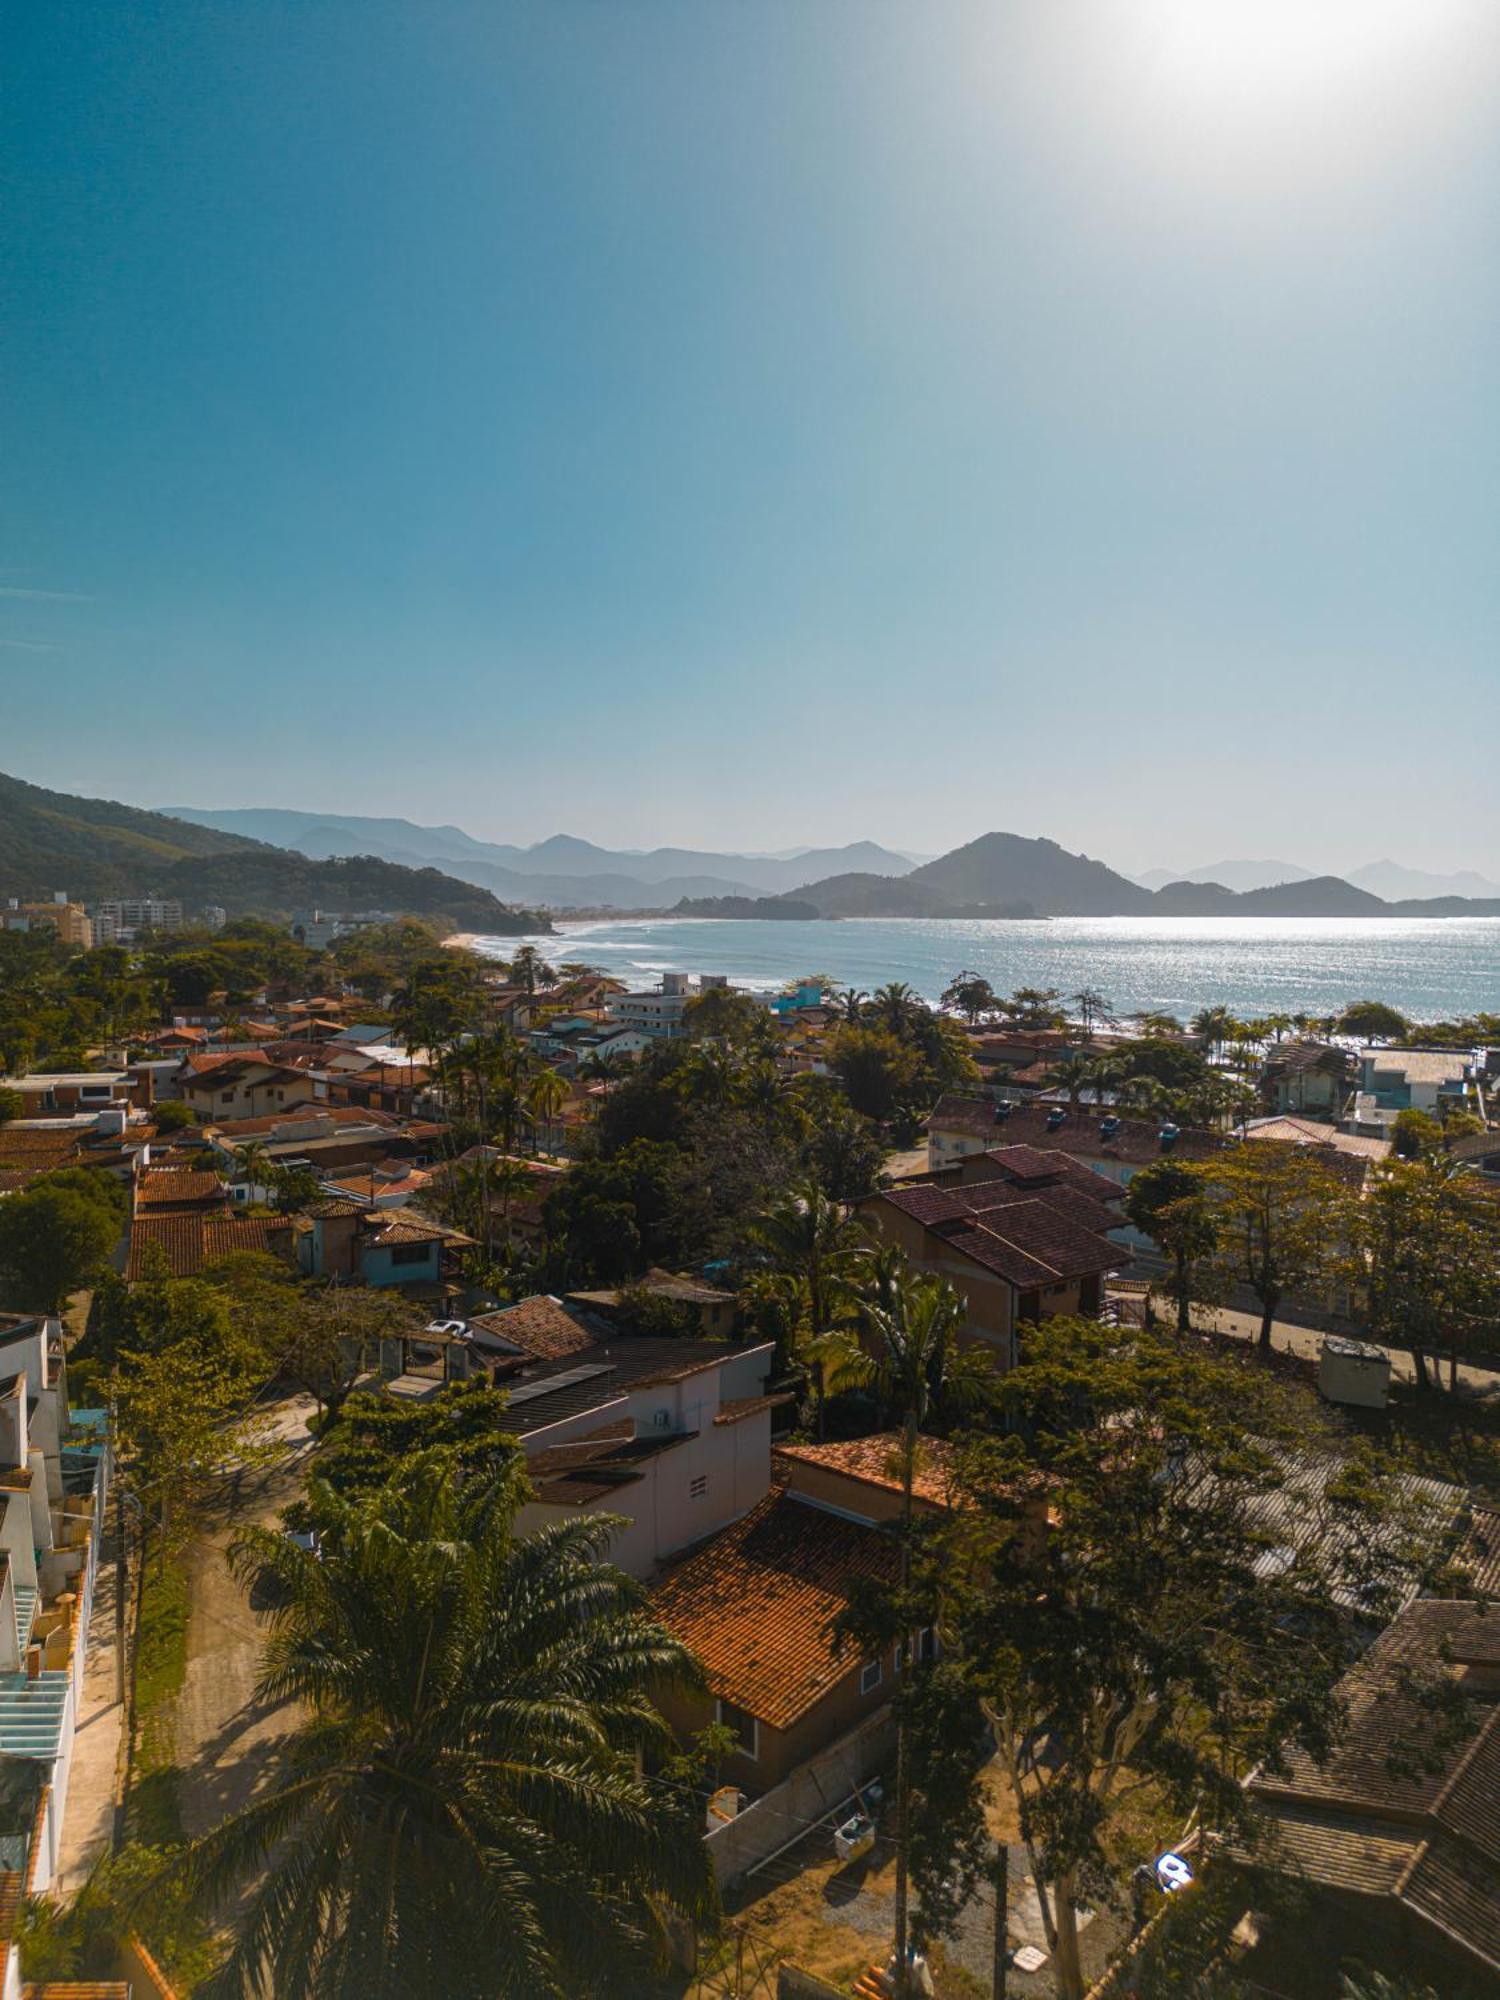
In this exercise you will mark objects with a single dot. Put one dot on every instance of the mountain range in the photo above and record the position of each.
(1387, 879)
(97, 848)
(1009, 875)
(563, 872)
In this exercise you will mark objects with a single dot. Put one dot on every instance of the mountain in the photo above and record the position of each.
(97, 848)
(563, 870)
(1006, 869)
(1397, 884)
(1318, 896)
(1239, 875)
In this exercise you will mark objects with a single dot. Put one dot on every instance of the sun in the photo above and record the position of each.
(1257, 48)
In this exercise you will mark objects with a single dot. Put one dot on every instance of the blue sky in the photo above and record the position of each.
(748, 423)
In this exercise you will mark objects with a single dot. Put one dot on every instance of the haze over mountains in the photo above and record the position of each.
(1000, 874)
(563, 871)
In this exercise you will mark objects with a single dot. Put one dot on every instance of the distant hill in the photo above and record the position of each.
(97, 848)
(1239, 875)
(1318, 896)
(563, 871)
(1007, 868)
(1397, 884)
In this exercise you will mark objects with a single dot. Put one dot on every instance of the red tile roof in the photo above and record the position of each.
(1029, 1238)
(179, 1187)
(755, 1604)
(193, 1240)
(876, 1461)
(540, 1326)
(1135, 1141)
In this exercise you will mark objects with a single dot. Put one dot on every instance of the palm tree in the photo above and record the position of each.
(252, 1162)
(1092, 1006)
(810, 1240)
(462, 1812)
(911, 1329)
(1073, 1073)
(545, 1099)
(1215, 1025)
(529, 969)
(852, 1001)
(897, 1006)
(971, 994)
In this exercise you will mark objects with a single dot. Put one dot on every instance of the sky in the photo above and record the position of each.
(748, 422)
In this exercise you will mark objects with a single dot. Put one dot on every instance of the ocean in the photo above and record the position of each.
(1429, 968)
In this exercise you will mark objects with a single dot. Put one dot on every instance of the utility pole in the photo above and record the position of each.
(1001, 1878)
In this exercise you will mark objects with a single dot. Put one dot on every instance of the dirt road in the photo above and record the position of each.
(226, 1740)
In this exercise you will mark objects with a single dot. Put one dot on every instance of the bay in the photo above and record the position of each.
(1429, 968)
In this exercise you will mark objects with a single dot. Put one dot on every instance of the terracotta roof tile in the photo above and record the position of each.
(876, 1461)
(755, 1604)
(540, 1326)
(191, 1240)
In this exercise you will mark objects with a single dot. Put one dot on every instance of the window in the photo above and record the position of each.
(869, 1677)
(746, 1728)
(410, 1253)
(226, 1097)
(698, 1487)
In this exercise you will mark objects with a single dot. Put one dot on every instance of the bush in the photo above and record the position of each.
(174, 1116)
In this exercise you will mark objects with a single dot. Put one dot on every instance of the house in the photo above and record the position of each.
(757, 1601)
(660, 1013)
(1395, 1080)
(1307, 1077)
(715, 1308)
(185, 1242)
(1397, 1861)
(539, 1328)
(678, 1442)
(340, 1237)
(67, 1094)
(54, 1483)
(1113, 1146)
(1024, 1236)
(70, 920)
(1332, 1144)
(245, 1084)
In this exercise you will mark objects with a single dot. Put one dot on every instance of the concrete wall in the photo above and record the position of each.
(807, 1795)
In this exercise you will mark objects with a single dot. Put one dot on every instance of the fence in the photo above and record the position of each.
(814, 1789)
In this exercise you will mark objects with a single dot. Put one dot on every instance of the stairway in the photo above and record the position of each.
(873, 1984)
(31, 1713)
(25, 1616)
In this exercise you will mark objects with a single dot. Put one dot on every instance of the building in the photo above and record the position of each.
(54, 1483)
(245, 1084)
(677, 1444)
(1023, 1236)
(1309, 1078)
(142, 913)
(1113, 1146)
(756, 1603)
(713, 1307)
(70, 1093)
(1398, 1861)
(69, 920)
(660, 1013)
(1395, 1080)
(343, 1238)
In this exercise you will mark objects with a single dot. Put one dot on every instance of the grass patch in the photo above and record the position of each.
(154, 1813)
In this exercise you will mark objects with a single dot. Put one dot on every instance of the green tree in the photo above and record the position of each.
(12, 1104)
(1416, 1132)
(972, 995)
(1372, 1021)
(52, 1240)
(185, 1412)
(374, 1434)
(1169, 1201)
(463, 1813)
(172, 1115)
(1107, 1589)
(1277, 1215)
(879, 1072)
(910, 1340)
(810, 1242)
(529, 969)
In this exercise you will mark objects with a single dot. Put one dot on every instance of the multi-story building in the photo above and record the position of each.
(69, 920)
(142, 913)
(54, 1480)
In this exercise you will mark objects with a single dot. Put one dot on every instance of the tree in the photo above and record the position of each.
(464, 1812)
(1092, 1007)
(529, 969)
(880, 1072)
(373, 1434)
(1372, 1021)
(1107, 1588)
(545, 1097)
(12, 1104)
(1423, 1247)
(910, 1344)
(330, 1333)
(172, 1115)
(185, 1413)
(1214, 1025)
(1277, 1214)
(52, 1240)
(1035, 1007)
(1416, 1132)
(809, 1241)
(972, 995)
(722, 1013)
(1170, 1202)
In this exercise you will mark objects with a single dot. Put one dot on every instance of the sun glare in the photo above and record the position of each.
(1257, 47)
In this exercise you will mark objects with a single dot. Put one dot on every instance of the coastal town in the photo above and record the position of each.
(1033, 1472)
